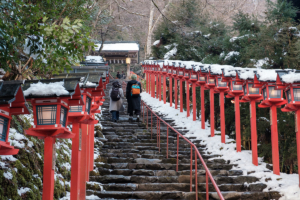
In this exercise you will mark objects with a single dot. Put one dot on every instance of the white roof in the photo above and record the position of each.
(118, 47)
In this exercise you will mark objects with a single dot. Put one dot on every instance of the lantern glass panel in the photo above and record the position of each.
(296, 94)
(202, 78)
(221, 84)
(211, 81)
(289, 96)
(63, 116)
(253, 90)
(265, 93)
(46, 115)
(194, 76)
(3, 128)
(75, 108)
(236, 87)
(245, 89)
(274, 93)
(88, 105)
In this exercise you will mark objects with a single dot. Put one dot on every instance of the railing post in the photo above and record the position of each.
(191, 170)
(207, 186)
(159, 136)
(147, 118)
(196, 176)
(177, 152)
(167, 142)
(157, 132)
(151, 125)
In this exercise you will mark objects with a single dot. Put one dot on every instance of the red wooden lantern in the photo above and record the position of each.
(202, 74)
(51, 100)
(291, 86)
(194, 79)
(273, 99)
(186, 78)
(164, 72)
(170, 75)
(174, 75)
(180, 75)
(235, 91)
(251, 95)
(222, 87)
(12, 102)
(211, 84)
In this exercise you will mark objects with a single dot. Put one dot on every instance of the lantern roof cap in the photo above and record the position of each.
(9, 91)
(291, 77)
(50, 87)
(87, 80)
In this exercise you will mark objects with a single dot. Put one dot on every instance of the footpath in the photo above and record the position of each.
(132, 167)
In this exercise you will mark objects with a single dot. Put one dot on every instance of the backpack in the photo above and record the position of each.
(115, 94)
(135, 89)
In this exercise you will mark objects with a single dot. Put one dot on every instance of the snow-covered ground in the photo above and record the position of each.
(286, 184)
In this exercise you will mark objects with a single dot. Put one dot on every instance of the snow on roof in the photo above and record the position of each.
(118, 47)
(247, 74)
(94, 59)
(266, 75)
(44, 89)
(291, 77)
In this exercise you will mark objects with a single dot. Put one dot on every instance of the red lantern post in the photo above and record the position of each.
(210, 83)
(273, 99)
(170, 75)
(202, 83)
(174, 75)
(12, 102)
(194, 80)
(292, 93)
(222, 87)
(159, 79)
(164, 72)
(235, 91)
(180, 77)
(50, 112)
(186, 77)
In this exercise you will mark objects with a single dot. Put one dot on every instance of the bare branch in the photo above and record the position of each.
(129, 11)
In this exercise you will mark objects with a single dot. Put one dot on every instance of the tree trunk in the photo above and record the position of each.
(148, 43)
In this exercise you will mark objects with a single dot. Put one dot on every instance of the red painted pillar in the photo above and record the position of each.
(253, 132)
(237, 123)
(181, 96)
(155, 86)
(83, 163)
(92, 135)
(274, 138)
(49, 166)
(149, 82)
(87, 169)
(297, 120)
(187, 99)
(212, 113)
(202, 108)
(159, 88)
(175, 93)
(164, 92)
(194, 102)
(76, 160)
(222, 117)
(171, 91)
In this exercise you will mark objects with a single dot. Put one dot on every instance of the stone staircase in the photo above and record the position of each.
(133, 168)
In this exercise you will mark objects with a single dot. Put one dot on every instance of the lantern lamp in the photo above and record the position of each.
(51, 100)
(291, 86)
(235, 91)
(272, 98)
(12, 102)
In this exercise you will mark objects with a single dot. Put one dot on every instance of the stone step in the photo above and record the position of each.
(187, 195)
(129, 172)
(155, 165)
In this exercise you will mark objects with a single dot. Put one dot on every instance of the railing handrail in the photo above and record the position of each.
(196, 150)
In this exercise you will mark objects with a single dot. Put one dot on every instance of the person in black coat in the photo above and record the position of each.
(134, 102)
(118, 75)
